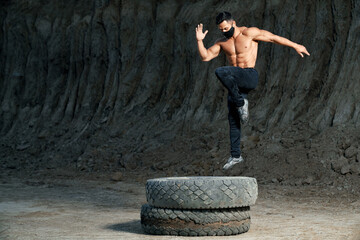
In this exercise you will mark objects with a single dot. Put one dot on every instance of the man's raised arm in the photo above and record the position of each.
(266, 36)
(205, 54)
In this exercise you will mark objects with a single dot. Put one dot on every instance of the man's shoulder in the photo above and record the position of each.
(250, 31)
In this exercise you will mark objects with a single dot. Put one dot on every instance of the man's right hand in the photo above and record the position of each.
(200, 35)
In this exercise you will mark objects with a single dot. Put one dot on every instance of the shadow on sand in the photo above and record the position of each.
(130, 227)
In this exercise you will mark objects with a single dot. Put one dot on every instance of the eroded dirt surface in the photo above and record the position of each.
(98, 208)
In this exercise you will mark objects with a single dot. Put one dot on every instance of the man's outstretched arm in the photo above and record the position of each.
(266, 36)
(205, 54)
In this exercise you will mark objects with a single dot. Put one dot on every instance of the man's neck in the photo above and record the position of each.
(237, 32)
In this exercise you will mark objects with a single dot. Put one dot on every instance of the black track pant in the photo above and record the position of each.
(239, 82)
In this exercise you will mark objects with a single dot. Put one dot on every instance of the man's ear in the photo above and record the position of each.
(233, 23)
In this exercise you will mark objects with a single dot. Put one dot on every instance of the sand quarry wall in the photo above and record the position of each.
(98, 83)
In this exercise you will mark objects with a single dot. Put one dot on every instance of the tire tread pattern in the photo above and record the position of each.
(202, 222)
(201, 192)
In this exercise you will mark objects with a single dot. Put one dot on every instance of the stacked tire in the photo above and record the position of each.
(198, 206)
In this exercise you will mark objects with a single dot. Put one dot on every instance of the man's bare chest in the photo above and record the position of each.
(241, 44)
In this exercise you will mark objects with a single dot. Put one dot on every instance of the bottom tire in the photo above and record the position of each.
(204, 222)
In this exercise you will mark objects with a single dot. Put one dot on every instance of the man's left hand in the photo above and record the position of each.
(300, 49)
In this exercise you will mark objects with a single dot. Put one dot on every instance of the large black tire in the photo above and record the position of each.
(201, 192)
(212, 222)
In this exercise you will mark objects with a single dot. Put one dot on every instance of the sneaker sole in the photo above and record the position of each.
(230, 165)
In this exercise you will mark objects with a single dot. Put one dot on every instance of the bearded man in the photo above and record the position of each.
(240, 44)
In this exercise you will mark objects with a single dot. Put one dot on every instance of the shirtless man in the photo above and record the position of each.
(240, 45)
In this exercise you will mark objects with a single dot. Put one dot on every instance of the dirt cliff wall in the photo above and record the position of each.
(106, 81)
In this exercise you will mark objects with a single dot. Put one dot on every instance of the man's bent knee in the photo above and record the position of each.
(219, 72)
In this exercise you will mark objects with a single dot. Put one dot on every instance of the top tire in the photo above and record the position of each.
(201, 192)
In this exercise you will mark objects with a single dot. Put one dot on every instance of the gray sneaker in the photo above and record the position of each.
(244, 112)
(232, 161)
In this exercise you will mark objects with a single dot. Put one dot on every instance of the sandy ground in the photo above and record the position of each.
(104, 209)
